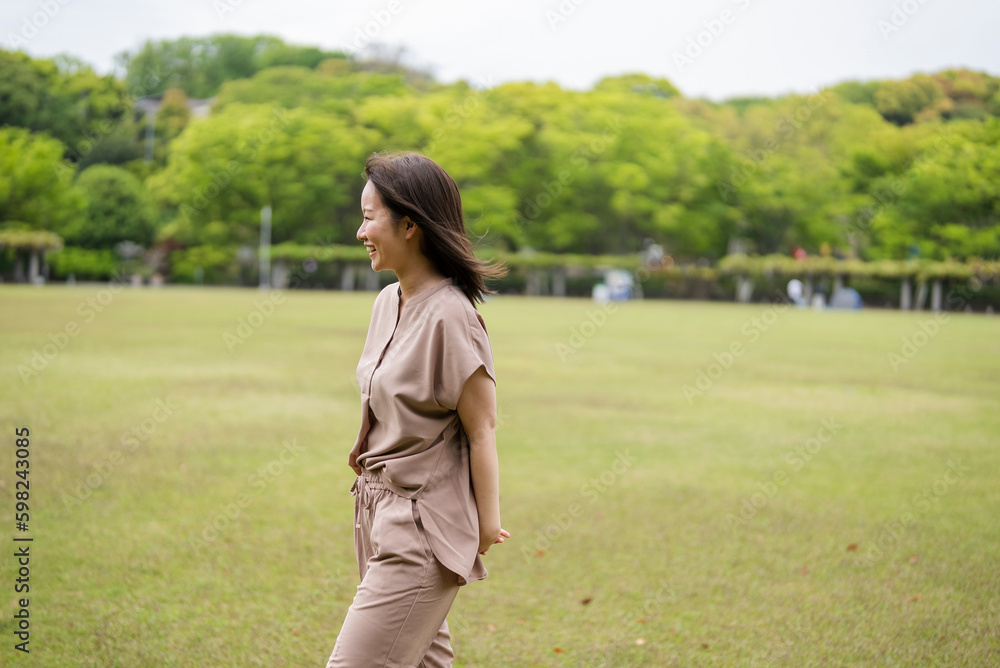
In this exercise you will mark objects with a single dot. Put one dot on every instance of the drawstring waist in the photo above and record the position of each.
(366, 487)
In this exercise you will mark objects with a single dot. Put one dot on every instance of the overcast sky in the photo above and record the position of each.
(715, 48)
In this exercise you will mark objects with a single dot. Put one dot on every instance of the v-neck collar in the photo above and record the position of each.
(423, 294)
(415, 300)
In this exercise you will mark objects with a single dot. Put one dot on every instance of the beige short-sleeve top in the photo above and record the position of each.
(414, 366)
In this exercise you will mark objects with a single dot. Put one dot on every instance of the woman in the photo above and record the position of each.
(427, 498)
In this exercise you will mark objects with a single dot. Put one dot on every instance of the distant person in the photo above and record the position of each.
(795, 292)
(427, 495)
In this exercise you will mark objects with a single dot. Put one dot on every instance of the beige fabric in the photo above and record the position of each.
(411, 374)
(398, 614)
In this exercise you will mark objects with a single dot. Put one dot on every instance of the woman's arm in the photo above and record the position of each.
(477, 409)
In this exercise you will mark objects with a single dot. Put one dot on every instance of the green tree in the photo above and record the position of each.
(902, 101)
(945, 201)
(200, 65)
(857, 92)
(172, 116)
(639, 84)
(800, 169)
(222, 170)
(36, 182)
(118, 209)
(63, 97)
(298, 86)
(22, 89)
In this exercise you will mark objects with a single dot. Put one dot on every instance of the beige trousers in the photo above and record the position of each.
(398, 615)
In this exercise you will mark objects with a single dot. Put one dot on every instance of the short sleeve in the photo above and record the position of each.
(461, 347)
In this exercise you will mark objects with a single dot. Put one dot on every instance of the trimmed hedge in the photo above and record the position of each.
(83, 263)
(922, 270)
(218, 265)
(732, 265)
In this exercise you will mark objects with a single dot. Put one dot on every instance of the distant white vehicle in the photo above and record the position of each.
(619, 284)
(794, 290)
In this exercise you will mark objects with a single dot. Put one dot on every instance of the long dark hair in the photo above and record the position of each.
(413, 185)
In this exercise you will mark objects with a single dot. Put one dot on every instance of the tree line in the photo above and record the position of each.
(873, 170)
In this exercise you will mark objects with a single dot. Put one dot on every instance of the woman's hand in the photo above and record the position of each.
(487, 542)
(352, 461)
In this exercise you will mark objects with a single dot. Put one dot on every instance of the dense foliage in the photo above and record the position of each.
(118, 209)
(874, 170)
(200, 65)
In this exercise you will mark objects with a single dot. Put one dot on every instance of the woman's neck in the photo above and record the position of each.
(411, 283)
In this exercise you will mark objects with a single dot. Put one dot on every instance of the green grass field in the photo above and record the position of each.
(809, 505)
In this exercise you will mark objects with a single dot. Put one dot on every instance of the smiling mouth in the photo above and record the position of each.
(371, 250)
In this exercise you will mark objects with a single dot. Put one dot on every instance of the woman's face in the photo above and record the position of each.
(385, 241)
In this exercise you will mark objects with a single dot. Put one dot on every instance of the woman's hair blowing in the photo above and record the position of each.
(413, 185)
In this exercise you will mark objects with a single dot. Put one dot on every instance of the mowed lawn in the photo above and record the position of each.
(828, 496)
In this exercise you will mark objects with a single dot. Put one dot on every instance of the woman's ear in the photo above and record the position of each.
(409, 228)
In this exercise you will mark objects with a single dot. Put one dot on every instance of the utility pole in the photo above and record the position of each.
(265, 248)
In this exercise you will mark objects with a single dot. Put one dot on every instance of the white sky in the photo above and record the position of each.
(769, 47)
